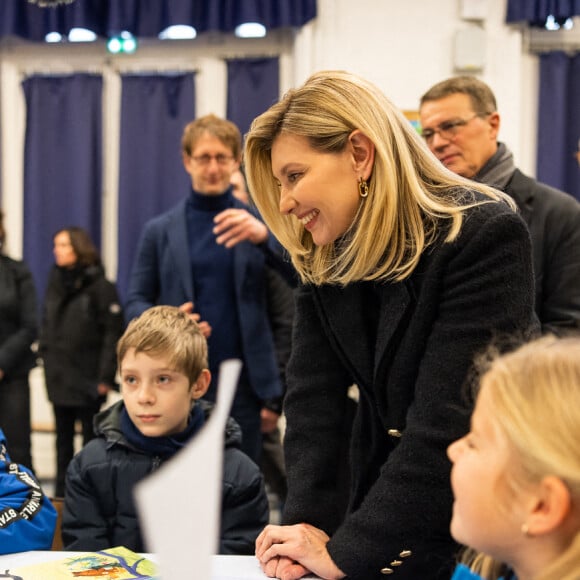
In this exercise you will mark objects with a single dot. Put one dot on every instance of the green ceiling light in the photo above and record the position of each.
(124, 43)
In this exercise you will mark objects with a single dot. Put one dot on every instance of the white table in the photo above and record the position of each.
(224, 567)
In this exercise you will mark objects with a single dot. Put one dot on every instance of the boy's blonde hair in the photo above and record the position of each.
(412, 196)
(166, 331)
(534, 395)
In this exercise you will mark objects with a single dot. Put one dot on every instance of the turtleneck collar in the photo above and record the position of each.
(200, 201)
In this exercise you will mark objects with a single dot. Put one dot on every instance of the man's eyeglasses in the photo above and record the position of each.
(448, 129)
(220, 158)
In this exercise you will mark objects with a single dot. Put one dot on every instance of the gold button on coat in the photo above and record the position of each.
(387, 571)
(394, 433)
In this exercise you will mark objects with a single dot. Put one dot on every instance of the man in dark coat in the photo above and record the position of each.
(460, 124)
(209, 256)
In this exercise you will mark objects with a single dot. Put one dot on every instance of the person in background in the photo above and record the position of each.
(81, 323)
(408, 271)
(280, 298)
(460, 124)
(516, 487)
(239, 186)
(163, 367)
(18, 330)
(27, 518)
(209, 255)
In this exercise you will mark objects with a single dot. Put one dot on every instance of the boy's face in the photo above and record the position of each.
(157, 398)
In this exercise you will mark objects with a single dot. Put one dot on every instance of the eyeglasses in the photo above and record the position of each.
(220, 158)
(448, 129)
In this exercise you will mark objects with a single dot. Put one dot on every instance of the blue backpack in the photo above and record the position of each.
(27, 518)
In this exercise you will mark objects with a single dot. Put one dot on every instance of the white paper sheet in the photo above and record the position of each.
(179, 505)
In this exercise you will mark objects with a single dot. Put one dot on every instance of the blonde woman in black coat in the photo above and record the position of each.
(81, 323)
(18, 330)
(408, 270)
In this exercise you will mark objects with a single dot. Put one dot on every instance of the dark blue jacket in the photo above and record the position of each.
(162, 275)
(27, 518)
(99, 511)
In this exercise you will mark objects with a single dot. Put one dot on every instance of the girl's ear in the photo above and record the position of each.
(363, 151)
(551, 506)
(201, 385)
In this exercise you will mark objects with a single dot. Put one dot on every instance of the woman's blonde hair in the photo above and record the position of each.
(534, 397)
(411, 193)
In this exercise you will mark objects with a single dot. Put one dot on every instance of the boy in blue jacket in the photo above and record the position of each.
(162, 362)
(27, 518)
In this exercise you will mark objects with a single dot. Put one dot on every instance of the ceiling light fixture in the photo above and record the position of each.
(178, 32)
(122, 43)
(250, 30)
(50, 3)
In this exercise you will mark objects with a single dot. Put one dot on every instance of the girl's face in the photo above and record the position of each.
(64, 254)
(486, 515)
(319, 189)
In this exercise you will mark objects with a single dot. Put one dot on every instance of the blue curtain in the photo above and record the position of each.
(253, 85)
(535, 12)
(154, 111)
(147, 18)
(559, 121)
(63, 163)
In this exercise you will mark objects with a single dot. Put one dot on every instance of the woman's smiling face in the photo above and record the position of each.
(319, 189)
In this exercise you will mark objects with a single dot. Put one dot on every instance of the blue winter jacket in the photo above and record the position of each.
(462, 572)
(99, 509)
(27, 518)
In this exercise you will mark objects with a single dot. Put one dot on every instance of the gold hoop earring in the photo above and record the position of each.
(363, 187)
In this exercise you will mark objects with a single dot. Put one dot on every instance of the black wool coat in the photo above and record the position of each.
(18, 318)
(409, 347)
(78, 336)
(553, 218)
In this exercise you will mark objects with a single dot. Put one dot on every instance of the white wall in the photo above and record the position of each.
(404, 46)
(407, 46)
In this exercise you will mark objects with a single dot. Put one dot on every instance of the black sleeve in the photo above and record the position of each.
(280, 304)
(245, 508)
